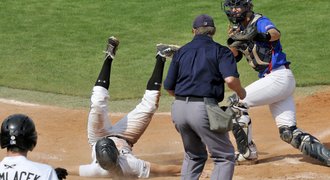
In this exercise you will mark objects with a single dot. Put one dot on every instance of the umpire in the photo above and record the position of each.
(199, 70)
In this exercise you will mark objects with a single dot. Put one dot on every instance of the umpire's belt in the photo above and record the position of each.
(190, 98)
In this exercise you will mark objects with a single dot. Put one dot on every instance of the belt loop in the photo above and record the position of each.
(187, 99)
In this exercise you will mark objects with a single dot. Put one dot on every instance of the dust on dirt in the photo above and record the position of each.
(62, 140)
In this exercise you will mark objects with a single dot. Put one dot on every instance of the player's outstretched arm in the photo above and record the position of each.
(164, 170)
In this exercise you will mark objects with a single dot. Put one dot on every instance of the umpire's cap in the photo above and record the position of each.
(203, 20)
(18, 130)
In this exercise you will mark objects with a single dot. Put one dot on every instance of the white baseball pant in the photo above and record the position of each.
(276, 90)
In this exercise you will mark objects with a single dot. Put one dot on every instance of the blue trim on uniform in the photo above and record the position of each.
(279, 57)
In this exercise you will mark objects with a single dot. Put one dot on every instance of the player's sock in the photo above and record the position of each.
(104, 76)
(156, 78)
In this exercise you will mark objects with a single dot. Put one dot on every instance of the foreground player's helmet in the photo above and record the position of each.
(18, 130)
(237, 17)
(106, 153)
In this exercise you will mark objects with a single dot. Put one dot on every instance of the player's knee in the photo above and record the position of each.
(291, 135)
(99, 105)
(99, 98)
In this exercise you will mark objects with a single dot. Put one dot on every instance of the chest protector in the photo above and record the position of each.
(258, 57)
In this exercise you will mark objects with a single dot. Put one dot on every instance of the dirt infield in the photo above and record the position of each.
(62, 139)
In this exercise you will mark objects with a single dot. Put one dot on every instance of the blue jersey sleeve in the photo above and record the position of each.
(264, 24)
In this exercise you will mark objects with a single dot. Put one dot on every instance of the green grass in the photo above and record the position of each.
(56, 46)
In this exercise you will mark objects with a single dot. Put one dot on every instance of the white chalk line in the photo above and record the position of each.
(20, 103)
(14, 102)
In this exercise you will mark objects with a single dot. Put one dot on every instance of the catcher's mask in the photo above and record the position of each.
(236, 17)
(18, 130)
(106, 153)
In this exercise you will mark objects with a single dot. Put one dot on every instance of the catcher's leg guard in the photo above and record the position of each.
(306, 143)
(242, 131)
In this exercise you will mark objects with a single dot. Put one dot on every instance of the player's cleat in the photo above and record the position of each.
(112, 47)
(249, 158)
(166, 50)
(241, 160)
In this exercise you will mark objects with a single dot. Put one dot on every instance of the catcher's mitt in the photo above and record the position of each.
(247, 35)
(243, 39)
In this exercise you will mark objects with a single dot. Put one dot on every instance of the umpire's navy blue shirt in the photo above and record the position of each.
(199, 69)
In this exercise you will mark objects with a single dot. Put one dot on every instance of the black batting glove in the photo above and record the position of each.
(61, 173)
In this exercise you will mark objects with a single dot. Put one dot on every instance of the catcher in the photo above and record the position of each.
(257, 38)
(112, 143)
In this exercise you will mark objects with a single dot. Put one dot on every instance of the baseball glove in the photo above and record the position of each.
(61, 173)
(247, 35)
(243, 39)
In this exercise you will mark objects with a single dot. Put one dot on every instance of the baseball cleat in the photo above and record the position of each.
(166, 50)
(112, 47)
(250, 157)
(241, 160)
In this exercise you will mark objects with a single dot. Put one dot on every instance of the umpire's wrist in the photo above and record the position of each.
(241, 94)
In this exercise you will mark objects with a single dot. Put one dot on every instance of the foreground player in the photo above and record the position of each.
(112, 144)
(258, 39)
(18, 135)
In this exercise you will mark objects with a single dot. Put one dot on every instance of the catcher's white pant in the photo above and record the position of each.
(276, 90)
(130, 127)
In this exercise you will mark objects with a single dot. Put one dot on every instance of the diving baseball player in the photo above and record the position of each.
(257, 38)
(18, 135)
(112, 143)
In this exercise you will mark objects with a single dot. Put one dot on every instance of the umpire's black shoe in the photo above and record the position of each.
(112, 47)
